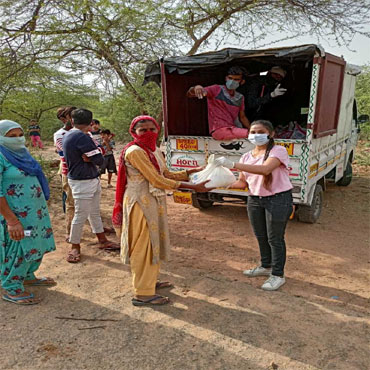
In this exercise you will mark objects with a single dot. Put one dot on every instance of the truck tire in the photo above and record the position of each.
(347, 176)
(310, 214)
(201, 203)
(204, 204)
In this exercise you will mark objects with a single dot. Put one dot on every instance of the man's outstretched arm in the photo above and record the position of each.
(197, 91)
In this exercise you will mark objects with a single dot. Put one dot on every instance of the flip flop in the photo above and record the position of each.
(163, 285)
(149, 302)
(109, 246)
(17, 300)
(45, 281)
(73, 257)
(109, 230)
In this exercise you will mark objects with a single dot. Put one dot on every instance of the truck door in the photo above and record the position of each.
(329, 94)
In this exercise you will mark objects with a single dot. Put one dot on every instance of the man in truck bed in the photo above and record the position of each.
(260, 93)
(225, 106)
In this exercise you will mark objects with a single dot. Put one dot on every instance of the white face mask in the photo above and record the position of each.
(259, 139)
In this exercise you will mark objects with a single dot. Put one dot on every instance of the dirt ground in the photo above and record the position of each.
(218, 319)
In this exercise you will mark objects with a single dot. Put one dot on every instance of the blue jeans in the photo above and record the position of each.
(268, 217)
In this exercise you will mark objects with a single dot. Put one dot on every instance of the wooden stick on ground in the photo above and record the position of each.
(83, 319)
(93, 327)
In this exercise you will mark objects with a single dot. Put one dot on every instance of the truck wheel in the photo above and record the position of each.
(310, 214)
(201, 203)
(205, 204)
(347, 176)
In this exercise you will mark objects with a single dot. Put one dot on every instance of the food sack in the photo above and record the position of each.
(220, 177)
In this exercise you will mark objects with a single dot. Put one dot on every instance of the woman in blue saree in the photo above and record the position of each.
(25, 227)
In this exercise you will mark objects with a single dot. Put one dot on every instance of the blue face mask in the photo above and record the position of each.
(232, 85)
(259, 139)
(13, 143)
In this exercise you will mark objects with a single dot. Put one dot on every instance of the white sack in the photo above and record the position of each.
(220, 177)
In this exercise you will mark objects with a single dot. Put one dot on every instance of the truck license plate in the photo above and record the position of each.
(182, 197)
(187, 144)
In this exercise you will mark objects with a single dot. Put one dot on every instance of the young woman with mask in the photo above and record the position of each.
(265, 171)
(140, 213)
(25, 227)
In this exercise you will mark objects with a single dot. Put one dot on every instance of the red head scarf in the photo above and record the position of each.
(147, 141)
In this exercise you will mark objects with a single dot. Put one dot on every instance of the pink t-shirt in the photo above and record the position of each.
(223, 109)
(280, 175)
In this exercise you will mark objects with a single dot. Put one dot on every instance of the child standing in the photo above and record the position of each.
(109, 161)
(35, 133)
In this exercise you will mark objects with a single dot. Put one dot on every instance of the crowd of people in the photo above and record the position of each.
(139, 214)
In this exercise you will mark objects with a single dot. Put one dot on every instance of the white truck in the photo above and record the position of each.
(321, 100)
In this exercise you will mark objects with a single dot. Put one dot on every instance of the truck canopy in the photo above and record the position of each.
(228, 56)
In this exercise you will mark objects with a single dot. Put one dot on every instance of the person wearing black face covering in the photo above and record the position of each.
(226, 118)
(261, 92)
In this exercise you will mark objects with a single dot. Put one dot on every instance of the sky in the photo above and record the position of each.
(357, 52)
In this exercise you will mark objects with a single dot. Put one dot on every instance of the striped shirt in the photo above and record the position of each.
(58, 143)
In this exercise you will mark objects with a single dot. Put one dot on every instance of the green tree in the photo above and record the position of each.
(112, 39)
(363, 91)
(36, 93)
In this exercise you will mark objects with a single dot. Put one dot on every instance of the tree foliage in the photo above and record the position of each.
(363, 91)
(37, 92)
(112, 40)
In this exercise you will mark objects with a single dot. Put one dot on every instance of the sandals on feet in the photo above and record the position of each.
(73, 257)
(109, 246)
(45, 281)
(163, 284)
(161, 300)
(109, 230)
(29, 299)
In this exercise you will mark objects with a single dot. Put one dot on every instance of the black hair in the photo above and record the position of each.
(68, 111)
(268, 125)
(60, 112)
(141, 121)
(237, 70)
(106, 131)
(82, 117)
(96, 121)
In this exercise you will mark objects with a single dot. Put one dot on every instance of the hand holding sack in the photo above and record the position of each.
(219, 176)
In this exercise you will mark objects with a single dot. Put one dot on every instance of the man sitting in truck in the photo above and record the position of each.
(260, 93)
(226, 117)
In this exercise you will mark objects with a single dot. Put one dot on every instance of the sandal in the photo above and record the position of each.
(18, 300)
(162, 301)
(109, 246)
(45, 281)
(109, 230)
(163, 284)
(73, 257)
(150, 302)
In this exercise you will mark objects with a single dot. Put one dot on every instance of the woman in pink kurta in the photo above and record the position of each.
(265, 171)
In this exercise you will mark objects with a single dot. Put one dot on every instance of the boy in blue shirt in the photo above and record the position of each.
(83, 157)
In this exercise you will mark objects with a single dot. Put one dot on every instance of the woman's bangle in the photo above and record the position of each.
(15, 223)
